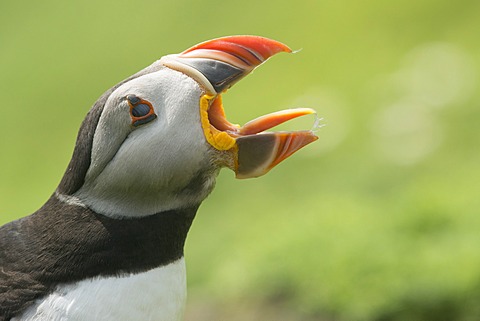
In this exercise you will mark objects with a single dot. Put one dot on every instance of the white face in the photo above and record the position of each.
(160, 165)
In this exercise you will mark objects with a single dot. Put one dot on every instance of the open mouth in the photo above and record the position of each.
(256, 149)
(221, 133)
(216, 65)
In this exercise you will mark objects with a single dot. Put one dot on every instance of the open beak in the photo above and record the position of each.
(218, 64)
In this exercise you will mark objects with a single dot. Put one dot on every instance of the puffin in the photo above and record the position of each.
(109, 242)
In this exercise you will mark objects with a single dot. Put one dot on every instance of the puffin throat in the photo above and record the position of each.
(218, 131)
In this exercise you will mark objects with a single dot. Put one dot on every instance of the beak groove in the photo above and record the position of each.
(253, 50)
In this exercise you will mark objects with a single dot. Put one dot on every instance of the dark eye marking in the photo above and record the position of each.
(141, 110)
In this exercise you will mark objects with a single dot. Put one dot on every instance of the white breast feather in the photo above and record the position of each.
(156, 295)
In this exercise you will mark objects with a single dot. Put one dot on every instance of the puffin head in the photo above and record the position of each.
(156, 141)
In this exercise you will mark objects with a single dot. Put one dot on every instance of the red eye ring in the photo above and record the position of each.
(141, 110)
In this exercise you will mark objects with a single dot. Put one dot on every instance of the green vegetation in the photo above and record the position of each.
(378, 220)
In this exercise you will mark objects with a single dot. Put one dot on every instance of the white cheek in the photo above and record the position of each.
(144, 179)
(158, 160)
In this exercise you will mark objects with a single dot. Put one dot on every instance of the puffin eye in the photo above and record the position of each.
(141, 111)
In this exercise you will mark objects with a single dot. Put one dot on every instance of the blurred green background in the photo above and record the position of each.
(378, 220)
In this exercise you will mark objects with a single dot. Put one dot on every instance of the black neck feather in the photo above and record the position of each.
(63, 243)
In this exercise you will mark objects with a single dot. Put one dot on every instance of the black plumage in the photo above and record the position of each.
(63, 243)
